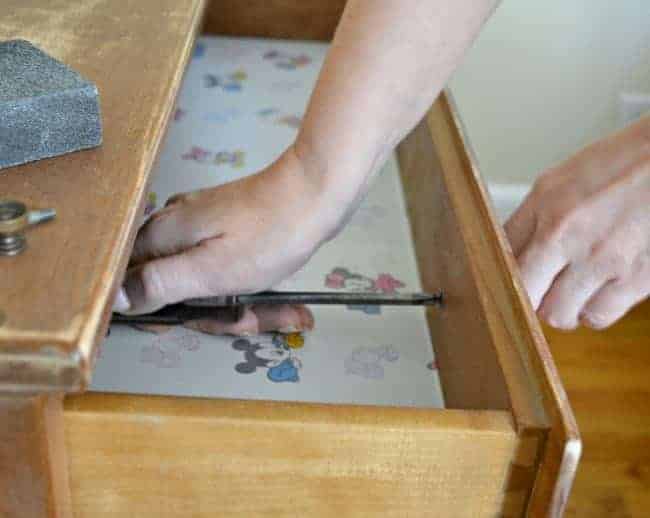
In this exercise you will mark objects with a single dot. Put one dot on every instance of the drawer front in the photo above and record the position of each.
(165, 456)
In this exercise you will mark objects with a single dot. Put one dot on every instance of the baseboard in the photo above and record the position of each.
(506, 197)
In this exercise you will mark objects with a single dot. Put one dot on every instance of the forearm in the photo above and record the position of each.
(388, 61)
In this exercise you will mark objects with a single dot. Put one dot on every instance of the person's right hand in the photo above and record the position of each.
(582, 235)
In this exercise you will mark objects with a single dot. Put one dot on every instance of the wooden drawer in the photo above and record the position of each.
(506, 445)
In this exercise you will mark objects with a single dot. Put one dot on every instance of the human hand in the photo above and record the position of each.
(241, 237)
(582, 236)
(254, 320)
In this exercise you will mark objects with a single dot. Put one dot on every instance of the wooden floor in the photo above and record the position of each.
(607, 377)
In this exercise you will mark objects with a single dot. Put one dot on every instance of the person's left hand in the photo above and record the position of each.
(582, 236)
(240, 237)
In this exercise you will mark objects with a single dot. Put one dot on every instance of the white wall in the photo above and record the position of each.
(544, 79)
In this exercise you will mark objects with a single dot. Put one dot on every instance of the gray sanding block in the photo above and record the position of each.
(46, 109)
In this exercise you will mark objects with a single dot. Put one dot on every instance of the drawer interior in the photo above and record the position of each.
(486, 342)
(479, 342)
(470, 368)
(238, 109)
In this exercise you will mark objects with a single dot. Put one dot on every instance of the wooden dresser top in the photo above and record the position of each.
(55, 297)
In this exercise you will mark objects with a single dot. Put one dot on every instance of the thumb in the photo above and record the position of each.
(156, 283)
(169, 231)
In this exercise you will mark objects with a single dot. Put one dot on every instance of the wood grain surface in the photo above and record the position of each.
(537, 397)
(470, 374)
(607, 377)
(293, 19)
(56, 296)
(33, 461)
(167, 457)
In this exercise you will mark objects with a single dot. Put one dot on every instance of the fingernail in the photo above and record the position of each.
(121, 302)
(593, 321)
(308, 324)
(201, 326)
(154, 329)
(288, 330)
(133, 288)
(306, 319)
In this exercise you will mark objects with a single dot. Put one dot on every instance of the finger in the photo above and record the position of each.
(170, 231)
(570, 291)
(175, 199)
(182, 197)
(284, 318)
(247, 324)
(259, 319)
(155, 329)
(616, 298)
(211, 268)
(539, 263)
(520, 227)
(152, 285)
(121, 302)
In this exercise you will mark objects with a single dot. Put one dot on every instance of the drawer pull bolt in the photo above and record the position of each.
(15, 219)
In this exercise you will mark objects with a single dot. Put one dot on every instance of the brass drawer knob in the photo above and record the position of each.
(15, 219)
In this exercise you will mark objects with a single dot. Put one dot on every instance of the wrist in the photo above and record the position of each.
(339, 182)
(636, 136)
(331, 197)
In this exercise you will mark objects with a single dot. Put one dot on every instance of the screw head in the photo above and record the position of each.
(13, 220)
(13, 217)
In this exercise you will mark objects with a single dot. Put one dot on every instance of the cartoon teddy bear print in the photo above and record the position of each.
(367, 362)
(343, 279)
(277, 357)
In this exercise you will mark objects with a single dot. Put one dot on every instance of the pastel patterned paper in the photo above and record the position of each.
(240, 106)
